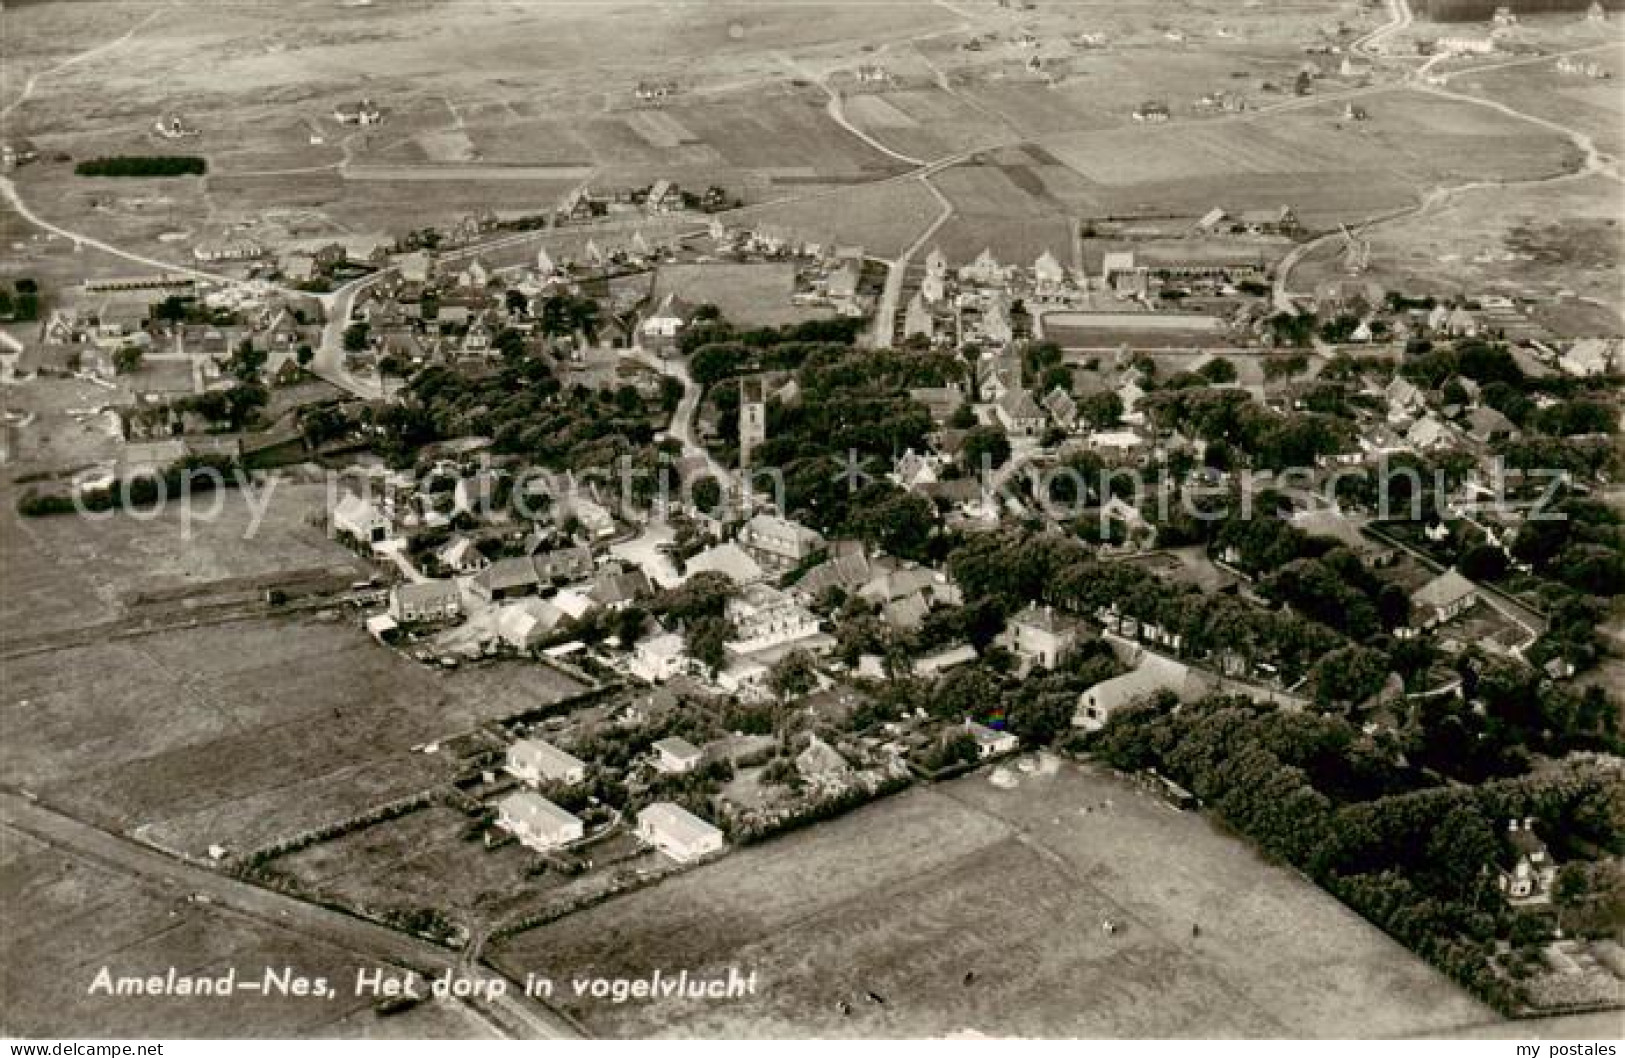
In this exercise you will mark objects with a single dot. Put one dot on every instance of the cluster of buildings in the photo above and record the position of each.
(539, 824)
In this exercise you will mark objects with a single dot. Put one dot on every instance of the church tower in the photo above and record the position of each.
(752, 417)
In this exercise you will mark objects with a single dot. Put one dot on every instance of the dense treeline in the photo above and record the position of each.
(144, 165)
(1419, 863)
(1481, 10)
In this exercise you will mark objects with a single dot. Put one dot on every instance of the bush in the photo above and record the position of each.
(144, 165)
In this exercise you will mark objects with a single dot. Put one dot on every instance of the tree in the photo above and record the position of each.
(127, 360)
(1349, 674)
(355, 337)
(246, 361)
(706, 641)
(986, 445)
(1100, 410)
(304, 357)
(1218, 371)
(794, 675)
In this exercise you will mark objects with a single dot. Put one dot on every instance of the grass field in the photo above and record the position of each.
(883, 218)
(906, 897)
(64, 917)
(750, 294)
(62, 572)
(236, 732)
(241, 733)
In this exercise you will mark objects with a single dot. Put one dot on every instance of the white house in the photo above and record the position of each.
(677, 832)
(1153, 673)
(659, 658)
(764, 617)
(1442, 598)
(991, 743)
(429, 600)
(525, 624)
(461, 556)
(666, 321)
(537, 822)
(1041, 635)
(677, 756)
(361, 518)
(532, 760)
(779, 543)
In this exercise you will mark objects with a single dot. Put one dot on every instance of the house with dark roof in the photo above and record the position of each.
(1529, 872)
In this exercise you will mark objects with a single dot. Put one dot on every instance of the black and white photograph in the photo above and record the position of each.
(958, 520)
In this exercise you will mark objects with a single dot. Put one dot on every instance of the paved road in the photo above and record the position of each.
(513, 1016)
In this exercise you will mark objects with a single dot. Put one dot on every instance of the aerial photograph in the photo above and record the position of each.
(962, 520)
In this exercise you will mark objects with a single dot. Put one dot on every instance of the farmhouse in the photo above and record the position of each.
(1152, 112)
(1591, 357)
(505, 579)
(677, 832)
(429, 600)
(362, 113)
(677, 756)
(460, 555)
(533, 760)
(667, 321)
(1442, 598)
(537, 822)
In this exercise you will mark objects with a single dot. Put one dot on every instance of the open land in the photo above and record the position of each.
(1011, 885)
(747, 294)
(52, 957)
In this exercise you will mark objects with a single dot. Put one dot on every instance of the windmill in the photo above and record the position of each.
(1356, 251)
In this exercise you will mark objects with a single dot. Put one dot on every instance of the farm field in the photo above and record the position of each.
(911, 894)
(883, 218)
(750, 294)
(243, 733)
(1592, 107)
(65, 917)
(1327, 168)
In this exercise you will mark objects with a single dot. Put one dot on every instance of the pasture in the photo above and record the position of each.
(756, 295)
(65, 916)
(241, 733)
(883, 218)
(907, 897)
